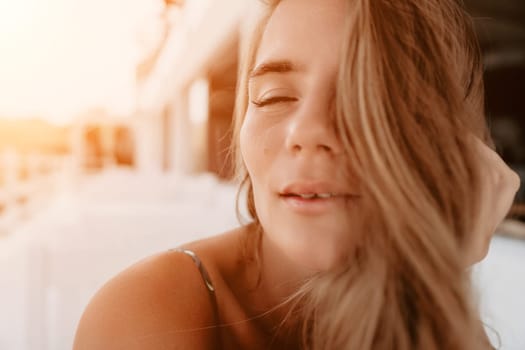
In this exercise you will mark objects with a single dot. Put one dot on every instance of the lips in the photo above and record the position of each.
(315, 198)
(313, 190)
(310, 195)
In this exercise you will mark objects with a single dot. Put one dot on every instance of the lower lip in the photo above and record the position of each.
(314, 206)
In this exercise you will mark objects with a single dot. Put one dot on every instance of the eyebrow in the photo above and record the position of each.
(281, 66)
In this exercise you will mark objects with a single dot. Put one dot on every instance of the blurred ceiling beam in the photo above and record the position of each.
(174, 2)
(191, 49)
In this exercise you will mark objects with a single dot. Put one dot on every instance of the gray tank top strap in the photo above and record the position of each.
(209, 285)
(200, 266)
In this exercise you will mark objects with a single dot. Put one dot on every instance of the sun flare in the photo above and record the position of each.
(61, 57)
(17, 17)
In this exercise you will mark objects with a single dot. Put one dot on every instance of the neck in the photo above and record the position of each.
(271, 283)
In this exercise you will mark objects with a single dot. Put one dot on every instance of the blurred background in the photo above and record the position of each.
(114, 128)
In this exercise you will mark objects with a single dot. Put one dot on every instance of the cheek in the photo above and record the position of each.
(259, 145)
(247, 141)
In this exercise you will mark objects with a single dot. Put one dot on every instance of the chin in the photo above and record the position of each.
(313, 249)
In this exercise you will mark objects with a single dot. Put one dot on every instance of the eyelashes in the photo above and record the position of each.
(273, 101)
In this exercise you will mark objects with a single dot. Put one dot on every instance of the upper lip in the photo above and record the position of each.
(312, 187)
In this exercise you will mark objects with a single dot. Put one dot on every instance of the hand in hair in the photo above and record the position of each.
(499, 185)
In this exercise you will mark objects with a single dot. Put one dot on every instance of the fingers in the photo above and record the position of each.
(499, 185)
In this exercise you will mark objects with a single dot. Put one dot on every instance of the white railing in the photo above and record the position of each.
(26, 181)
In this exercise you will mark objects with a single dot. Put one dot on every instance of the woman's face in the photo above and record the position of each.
(288, 141)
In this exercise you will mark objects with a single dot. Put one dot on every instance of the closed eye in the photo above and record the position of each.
(273, 100)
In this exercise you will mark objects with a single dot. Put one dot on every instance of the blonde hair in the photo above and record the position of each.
(409, 92)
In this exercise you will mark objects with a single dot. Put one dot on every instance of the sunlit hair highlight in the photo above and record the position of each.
(409, 100)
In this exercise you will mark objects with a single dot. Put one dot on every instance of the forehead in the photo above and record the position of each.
(307, 32)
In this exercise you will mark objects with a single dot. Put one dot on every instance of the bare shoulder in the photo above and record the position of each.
(160, 302)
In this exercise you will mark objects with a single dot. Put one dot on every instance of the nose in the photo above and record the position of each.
(312, 130)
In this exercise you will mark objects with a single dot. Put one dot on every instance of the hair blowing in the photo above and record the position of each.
(409, 92)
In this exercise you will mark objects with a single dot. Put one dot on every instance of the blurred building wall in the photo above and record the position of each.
(202, 45)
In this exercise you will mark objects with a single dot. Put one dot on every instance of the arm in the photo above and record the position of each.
(158, 303)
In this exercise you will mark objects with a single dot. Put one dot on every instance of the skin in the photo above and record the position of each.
(289, 118)
(288, 144)
(499, 185)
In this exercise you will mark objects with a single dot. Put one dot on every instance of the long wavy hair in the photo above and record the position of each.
(409, 93)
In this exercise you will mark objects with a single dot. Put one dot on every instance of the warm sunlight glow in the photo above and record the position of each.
(59, 58)
(16, 17)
